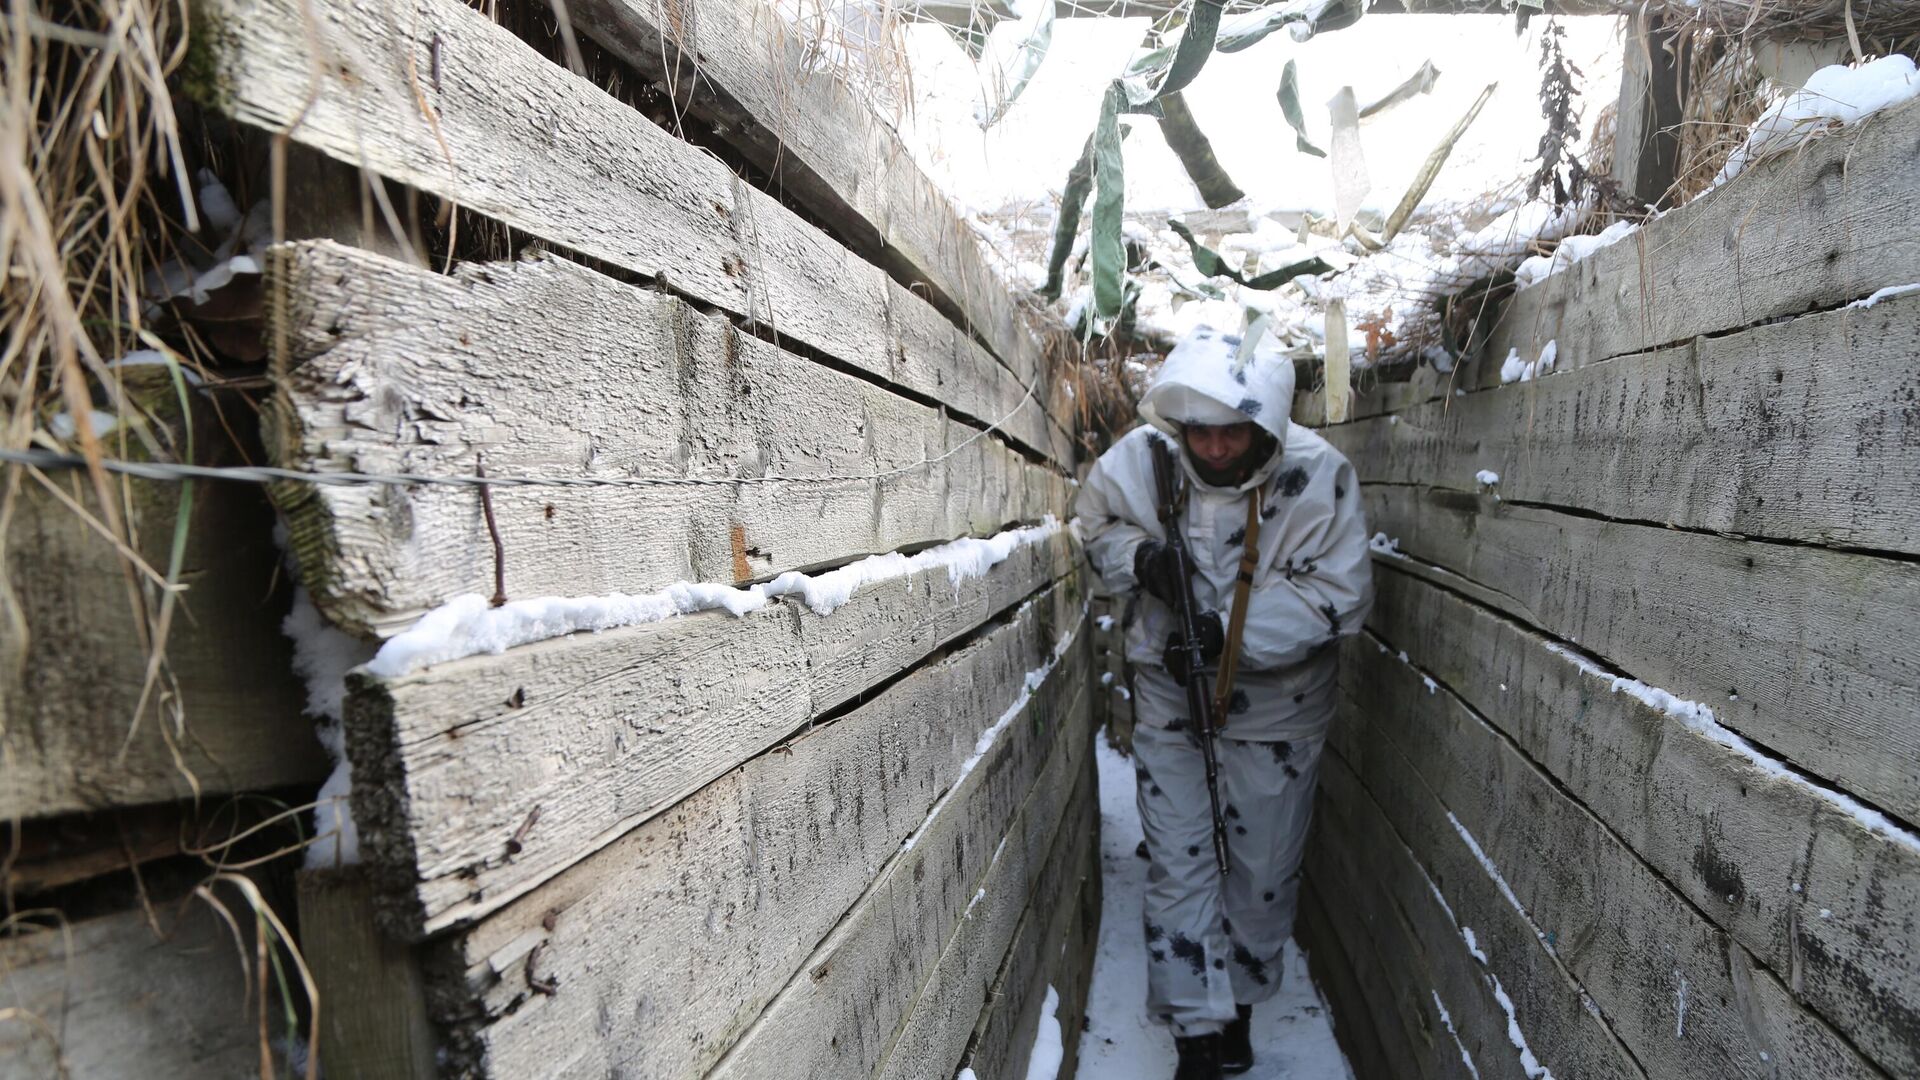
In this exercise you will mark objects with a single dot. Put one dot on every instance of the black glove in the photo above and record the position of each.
(1213, 641)
(1157, 570)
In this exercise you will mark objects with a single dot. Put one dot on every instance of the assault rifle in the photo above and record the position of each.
(1172, 493)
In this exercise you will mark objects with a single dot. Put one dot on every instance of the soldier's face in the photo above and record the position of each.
(1220, 446)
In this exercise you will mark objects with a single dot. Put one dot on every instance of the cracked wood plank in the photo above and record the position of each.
(477, 780)
(1811, 229)
(507, 134)
(1816, 644)
(1807, 430)
(1760, 853)
(395, 369)
(714, 904)
(1662, 974)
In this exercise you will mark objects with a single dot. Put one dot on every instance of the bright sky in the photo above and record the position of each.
(1027, 155)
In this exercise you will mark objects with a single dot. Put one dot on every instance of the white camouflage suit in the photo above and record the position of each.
(1208, 947)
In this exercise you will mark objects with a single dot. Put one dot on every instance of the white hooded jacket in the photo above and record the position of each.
(1313, 579)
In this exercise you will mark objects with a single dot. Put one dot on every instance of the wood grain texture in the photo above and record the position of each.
(1807, 230)
(505, 133)
(1805, 430)
(373, 1002)
(1053, 948)
(1039, 858)
(739, 65)
(713, 905)
(399, 370)
(1684, 999)
(1334, 972)
(112, 999)
(478, 779)
(225, 714)
(1443, 898)
(1761, 855)
(1816, 644)
(842, 1014)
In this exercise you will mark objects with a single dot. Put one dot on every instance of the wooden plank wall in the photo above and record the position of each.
(1627, 766)
(783, 844)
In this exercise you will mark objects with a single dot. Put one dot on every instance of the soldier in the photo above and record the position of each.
(1250, 477)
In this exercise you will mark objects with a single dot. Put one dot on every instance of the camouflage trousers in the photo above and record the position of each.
(1212, 945)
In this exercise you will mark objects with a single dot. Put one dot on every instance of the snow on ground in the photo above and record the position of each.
(1292, 1034)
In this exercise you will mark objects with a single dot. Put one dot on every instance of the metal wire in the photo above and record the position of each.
(264, 474)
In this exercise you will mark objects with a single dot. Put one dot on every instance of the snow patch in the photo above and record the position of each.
(1487, 477)
(1514, 369)
(1528, 1063)
(1833, 97)
(468, 626)
(1104, 622)
(1887, 293)
(1571, 250)
(1494, 873)
(322, 656)
(1383, 544)
(1680, 1007)
(1447, 1019)
(1049, 1049)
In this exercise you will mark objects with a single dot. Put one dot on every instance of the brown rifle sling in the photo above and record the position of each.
(1237, 623)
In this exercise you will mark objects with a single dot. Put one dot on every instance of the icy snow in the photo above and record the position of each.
(1514, 369)
(1834, 96)
(1447, 1019)
(1049, 1048)
(1573, 249)
(468, 626)
(1493, 872)
(1680, 1007)
(1292, 1033)
(322, 656)
(1887, 293)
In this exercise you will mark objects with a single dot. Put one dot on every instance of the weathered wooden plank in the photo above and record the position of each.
(1814, 643)
(840, 1015)
(109, 998)
(397, 370)
(1449, 902)
(1812, 229)
(1802, 430)
(373, 1003)
(714, 904)
(225, 712)
(1387, 969)
(1003, 1040)
(1333, 972)
(498, 129)
(738, 65)
(1028, 878)
(478, 779)
(1761, 853)
(1684, 999)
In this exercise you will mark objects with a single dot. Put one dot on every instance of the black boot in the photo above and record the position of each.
(1199, 1058)
(1236, 1043)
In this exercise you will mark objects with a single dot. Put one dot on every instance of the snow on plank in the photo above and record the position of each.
(1804, 231)
(399, 370)
(1762, 851)
(1801, 430)
(1816, 644)
(1617, 926)
(479, 778)
(505, 133)
(712, 905)
(1534, 1013)
(839, 1014)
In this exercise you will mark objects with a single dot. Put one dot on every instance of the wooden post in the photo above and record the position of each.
(1646, 152)
(373, 1004)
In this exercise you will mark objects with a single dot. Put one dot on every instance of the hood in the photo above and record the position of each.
(1204, 382)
